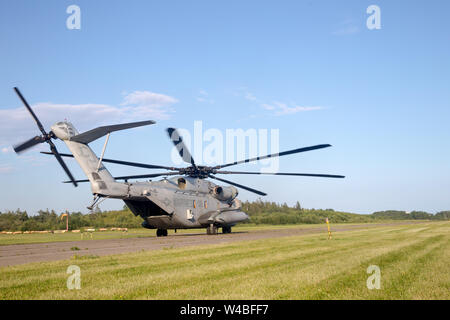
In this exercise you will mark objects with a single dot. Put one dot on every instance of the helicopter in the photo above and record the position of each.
(183, 199)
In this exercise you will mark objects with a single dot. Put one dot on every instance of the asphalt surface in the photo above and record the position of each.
(16, 254)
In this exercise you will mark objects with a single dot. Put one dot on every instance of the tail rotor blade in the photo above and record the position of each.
(28, 144)
(44, 138)
(39, 124)
(61, 162)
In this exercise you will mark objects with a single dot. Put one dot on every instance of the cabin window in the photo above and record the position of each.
(181, 183)
(195, 205)
(206, 204)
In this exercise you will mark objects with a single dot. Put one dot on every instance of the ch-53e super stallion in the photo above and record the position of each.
(186, 200)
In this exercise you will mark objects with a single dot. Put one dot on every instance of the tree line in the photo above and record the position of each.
(49, 220)
(260, 212)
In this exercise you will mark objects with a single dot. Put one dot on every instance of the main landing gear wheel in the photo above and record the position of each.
(161, 233)
(211, 229)
(226, 230)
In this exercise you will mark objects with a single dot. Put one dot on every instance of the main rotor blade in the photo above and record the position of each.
(153, 175)
(61, 162)
(28, 144)
(125, 163)
(39, 124)
(273, 155)
(283, 174)
(239, 186)
(181, 147)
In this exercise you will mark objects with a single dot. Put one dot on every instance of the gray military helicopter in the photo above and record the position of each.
(186, 200)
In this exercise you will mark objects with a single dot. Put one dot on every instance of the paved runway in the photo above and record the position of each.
(25, 253)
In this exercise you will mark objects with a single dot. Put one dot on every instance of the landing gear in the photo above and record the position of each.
(211, 229)
(226, 230)
(161, 233)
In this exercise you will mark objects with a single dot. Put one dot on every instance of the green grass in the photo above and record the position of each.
(414, 262)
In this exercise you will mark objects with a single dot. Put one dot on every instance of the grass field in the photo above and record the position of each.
(414, 261)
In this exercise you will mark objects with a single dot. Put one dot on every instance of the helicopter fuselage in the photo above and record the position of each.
(183, 203)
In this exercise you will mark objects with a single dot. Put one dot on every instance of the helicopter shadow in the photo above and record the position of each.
(204, 234)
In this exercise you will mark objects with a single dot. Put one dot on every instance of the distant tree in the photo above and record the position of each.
(421, 215)
(442, 215)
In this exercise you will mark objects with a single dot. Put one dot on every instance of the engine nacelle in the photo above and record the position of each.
(225, 193)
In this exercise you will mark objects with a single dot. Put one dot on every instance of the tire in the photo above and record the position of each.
(161, 233)
(226, 230)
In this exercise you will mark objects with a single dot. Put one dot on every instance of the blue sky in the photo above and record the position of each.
(380, 97)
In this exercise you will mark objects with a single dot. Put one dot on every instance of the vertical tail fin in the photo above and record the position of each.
(102, 182)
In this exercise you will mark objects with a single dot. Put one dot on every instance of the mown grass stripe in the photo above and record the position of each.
(354, 279)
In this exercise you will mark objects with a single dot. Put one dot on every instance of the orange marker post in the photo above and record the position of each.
(67, 220)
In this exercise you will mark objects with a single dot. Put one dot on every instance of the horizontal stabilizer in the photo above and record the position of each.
(94, 134)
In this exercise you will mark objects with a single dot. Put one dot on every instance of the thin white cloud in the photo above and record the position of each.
(200, 99)
(267, 106)
(346, 31)
(283, 109)
(5, 169)
(148, 99)
(7, 149)
(346, 27)
(279, 108)
(204, 97)
(250, 97)
(16, 125)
